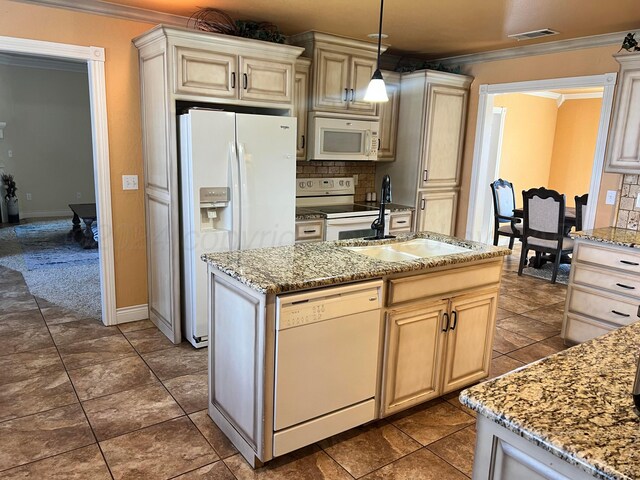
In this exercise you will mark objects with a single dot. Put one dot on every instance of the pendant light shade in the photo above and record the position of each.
(377, 90)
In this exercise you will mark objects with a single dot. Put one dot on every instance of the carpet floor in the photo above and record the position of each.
(54, 267)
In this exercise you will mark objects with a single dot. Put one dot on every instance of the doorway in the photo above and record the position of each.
(486, 154)
(93, 59)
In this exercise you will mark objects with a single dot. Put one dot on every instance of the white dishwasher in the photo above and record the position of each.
(327, 354)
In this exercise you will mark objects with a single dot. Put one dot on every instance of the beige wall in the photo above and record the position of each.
(123, 107)
(529, 130)
(49, 132)
(574, 147)
(590, 61)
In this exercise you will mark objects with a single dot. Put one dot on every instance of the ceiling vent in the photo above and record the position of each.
(543, 32)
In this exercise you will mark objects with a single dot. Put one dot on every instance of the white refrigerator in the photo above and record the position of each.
(237, 178)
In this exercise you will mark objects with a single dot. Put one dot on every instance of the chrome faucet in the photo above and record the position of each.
(378, 224)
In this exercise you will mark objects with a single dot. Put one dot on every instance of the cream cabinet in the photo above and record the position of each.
(184, 65)
(437, 211)
(603, 292)
(436, 348)
(309, 231)
(430, 137)
(400, 222)
(301, 105)
(623, 150)
(388, 112)
(342, 69)
(439, 333)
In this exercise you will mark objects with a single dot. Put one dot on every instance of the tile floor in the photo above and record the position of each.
(83, 401)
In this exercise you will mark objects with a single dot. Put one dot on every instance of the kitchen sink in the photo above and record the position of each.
(409, 250)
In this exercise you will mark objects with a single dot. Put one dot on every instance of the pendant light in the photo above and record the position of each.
(377, 91)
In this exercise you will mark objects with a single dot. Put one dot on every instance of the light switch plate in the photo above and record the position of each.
(611, 197)
(130, 182)
(638, 201)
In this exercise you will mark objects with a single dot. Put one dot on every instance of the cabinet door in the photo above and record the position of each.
(300, 107)
(469, 340)
(201, 72)
(332, 76)
(361, 70)
(413, 350)
(623, 155)
(445, 121)
(388, 112)
(437, 211)
(265, 80)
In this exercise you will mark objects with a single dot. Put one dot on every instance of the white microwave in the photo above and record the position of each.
(342, 138)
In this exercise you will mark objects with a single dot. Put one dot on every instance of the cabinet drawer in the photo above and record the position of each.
(446, 282)
(400, 221)
(578, 329)
(200, 72)
(606, 279)
(309, 231)
(609, 307)
(628, 261)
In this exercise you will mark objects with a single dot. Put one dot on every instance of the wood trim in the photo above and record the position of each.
(94, 58)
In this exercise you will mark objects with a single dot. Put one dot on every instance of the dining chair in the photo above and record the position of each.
(581, 203)
(504, 201)
(544, 227)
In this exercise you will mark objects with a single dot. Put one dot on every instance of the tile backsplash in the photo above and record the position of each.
(628, 213)
(366, 172)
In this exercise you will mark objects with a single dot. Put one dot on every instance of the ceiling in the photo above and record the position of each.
(427, 28)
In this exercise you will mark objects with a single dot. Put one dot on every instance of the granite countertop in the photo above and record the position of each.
(393, 207)
(307, 214)
(308, 265)
(611, 235)
(576, 404)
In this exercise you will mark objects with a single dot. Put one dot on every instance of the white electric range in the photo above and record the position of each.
(334, 197)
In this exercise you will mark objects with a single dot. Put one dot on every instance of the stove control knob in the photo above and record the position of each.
(301, 184)
(341, 183)
(348, 183)
(309, 183)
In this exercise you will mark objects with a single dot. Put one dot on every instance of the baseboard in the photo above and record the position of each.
(132, 313)
(47, 214)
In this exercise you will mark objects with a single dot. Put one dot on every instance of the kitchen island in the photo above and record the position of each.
(568, 416)
(312, 339)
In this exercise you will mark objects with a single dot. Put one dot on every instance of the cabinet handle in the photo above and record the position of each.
(620, 313)
(626, 262)
(310, 231)
(445, 316)
(422, 202)
(454, 314)
(425, 176)
(625, 286)
(233, 79)
(302, 146)
(346, 94)
(401, 221)
(353, 96)
(245, 81)
(379, 143)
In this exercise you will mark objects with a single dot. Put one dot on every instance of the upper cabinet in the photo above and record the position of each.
(342, 69)
(623, 151)
(388, 112)
(301, 105)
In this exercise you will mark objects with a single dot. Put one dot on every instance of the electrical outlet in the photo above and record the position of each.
(611, 197)
(29, 197)
(355, 180)
(130, 182)
(638, 201)
(78, 195)
(10, 153)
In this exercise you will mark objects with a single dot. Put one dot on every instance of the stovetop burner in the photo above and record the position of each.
(344, 208)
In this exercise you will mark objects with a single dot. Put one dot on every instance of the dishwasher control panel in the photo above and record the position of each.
(310, 307)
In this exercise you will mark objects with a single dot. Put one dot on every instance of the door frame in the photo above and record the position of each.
(477, 194)
(94, 58)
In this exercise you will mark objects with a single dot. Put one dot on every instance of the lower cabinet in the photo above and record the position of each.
(436, 347)
(437, 211)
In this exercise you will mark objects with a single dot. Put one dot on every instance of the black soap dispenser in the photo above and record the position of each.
(636, 388)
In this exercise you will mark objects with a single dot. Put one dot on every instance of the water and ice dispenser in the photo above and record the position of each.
(213, 201)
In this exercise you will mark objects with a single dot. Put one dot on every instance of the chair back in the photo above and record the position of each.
(581, 203)
(543, 214)
(504, 200)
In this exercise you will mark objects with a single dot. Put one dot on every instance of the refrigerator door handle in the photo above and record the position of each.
(244, 203)
(234, 235)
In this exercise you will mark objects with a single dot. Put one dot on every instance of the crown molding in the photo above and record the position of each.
(99, 7)
(560, 98)
(545, 48)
